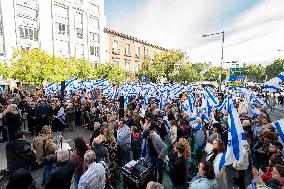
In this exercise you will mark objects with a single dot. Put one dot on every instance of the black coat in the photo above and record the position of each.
(178, 171)
(95, 134)
(13, 121)
(31, 114)
(61, 176)
(42, 110)
(19, 154)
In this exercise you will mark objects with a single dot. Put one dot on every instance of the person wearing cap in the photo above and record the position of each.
(62, 175)
(19, 153)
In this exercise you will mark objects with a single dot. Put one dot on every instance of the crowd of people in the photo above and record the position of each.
(187, 148)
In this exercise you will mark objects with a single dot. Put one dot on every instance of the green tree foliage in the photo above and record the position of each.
(188, 73)
(111, 72)
(163, 65)
(200, 67)
(213, 74)
(154, 71)
(167, 62)
(255, 73)
(35, 66)
(5, 70)
(84, 69)
(274, 69)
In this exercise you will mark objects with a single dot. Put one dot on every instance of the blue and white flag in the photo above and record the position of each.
(212, 99)
(253, 99)
(236, 140)
(71, 85)
(205, 107)
(1, 90)
(50, 88)
(236, 130)
(224, 106)
(187, 105)
(61, 115)
(166, 122)
(273, 85)
(279, 126)
(196, 125)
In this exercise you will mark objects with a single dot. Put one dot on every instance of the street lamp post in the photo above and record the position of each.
(222, 56)
(280, 50)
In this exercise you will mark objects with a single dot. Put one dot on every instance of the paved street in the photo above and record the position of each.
(278, 113)
(69, 136)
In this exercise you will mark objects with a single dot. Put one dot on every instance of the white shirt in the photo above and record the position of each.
(173, 134)
(94, 177)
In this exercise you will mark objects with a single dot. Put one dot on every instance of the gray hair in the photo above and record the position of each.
(62, 155)
(89, 156)
(45, 130)
(154, 185)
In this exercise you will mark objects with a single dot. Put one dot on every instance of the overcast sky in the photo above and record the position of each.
(254, 29)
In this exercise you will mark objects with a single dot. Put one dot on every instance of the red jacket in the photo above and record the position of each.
(267, 175)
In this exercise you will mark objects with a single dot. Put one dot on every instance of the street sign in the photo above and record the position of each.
(237, 83)
(234, 77)
(238, 69)
(144, 78)
(239, 73)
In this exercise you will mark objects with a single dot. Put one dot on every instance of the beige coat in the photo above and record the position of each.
(38, 146)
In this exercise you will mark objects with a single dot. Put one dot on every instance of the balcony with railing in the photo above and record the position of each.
(116, 51)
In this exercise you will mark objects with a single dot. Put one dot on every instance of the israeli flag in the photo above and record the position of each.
(162, 98)
(166, 122)
(194, 113)
(196, 126)
(225, 158)
(224, 106)
(236, 140)
(273, 85)
(81, 85)
(1, 90)
(205, 118)
(212, 99)
(49, 88)
(253, 99)
(236, 130)
(187, 105)
(252, 110)
(71, 85)
(177, 92)
(276, 80)
(61, 115)
(279, 126)
(108, 91)
(101, 84)
(205, 107)
(89, 85)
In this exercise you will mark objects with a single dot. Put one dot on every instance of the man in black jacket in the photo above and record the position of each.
(61, 176)
(19, 153)
(32, 119)
(178, 169)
